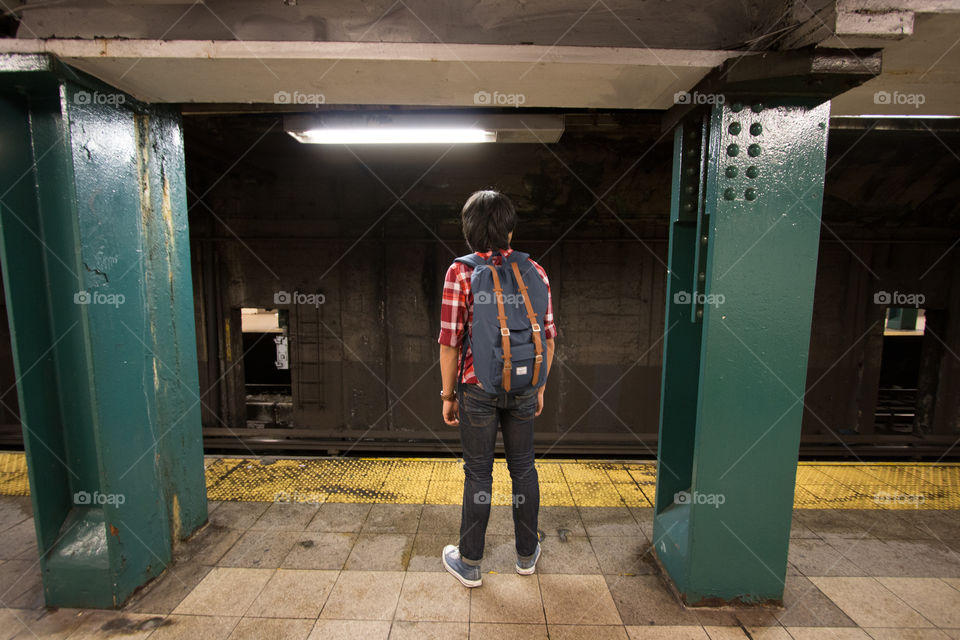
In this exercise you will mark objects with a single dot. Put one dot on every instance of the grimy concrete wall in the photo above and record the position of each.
(373, 232)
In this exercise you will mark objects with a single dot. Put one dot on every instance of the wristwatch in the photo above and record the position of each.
(449, 398)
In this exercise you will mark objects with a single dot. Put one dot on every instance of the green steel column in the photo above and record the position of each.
(95, 257)
(745, 226)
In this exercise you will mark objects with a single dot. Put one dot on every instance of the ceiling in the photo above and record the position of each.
(923, 67)
(674, 24)
(385, 73)
(612, 54)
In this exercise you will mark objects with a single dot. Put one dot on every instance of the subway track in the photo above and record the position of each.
(445, 441)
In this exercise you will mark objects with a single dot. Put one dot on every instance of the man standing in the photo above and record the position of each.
(494, 365)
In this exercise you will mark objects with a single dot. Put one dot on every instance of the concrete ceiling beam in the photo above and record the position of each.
(348, 73)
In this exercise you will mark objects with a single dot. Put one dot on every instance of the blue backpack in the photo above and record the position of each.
(509, 307)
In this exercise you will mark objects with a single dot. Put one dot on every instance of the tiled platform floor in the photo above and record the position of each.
(278, 570)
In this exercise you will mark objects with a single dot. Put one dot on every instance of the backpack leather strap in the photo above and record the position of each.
(537, 343)
(504, 331)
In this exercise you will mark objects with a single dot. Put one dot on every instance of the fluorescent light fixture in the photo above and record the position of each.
(422, 127)
(395, 135)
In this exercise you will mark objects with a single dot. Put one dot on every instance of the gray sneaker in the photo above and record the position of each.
(529, 566)
(467, 574)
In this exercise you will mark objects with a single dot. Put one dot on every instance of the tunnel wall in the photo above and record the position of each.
(378, 326)
(373, 232)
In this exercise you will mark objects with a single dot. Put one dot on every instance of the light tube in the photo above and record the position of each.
(395, 135)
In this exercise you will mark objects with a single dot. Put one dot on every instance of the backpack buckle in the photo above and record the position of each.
(504, 332)
(538, 359)
(536, 327)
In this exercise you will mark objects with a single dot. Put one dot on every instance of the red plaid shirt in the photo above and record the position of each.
(456, 310)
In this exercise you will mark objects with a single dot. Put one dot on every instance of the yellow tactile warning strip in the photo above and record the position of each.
(13, 475)
(584, 483)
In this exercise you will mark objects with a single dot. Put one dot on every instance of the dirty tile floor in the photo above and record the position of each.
(307, 571)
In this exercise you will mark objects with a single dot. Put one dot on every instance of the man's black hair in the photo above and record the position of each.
(488, 219)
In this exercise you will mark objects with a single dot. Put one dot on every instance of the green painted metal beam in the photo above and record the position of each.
(96, 268)
(744, 238)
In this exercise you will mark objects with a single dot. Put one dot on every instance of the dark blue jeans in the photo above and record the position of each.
(481, 413)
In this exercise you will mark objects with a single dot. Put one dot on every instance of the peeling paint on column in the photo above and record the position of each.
(175, 524)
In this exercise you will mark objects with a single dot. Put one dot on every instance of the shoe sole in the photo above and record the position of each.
(467, 583)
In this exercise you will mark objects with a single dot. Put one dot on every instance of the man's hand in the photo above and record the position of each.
(540, 400)
(451, 412)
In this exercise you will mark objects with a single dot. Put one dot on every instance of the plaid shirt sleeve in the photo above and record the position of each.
(453, 306)
(549, 328)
